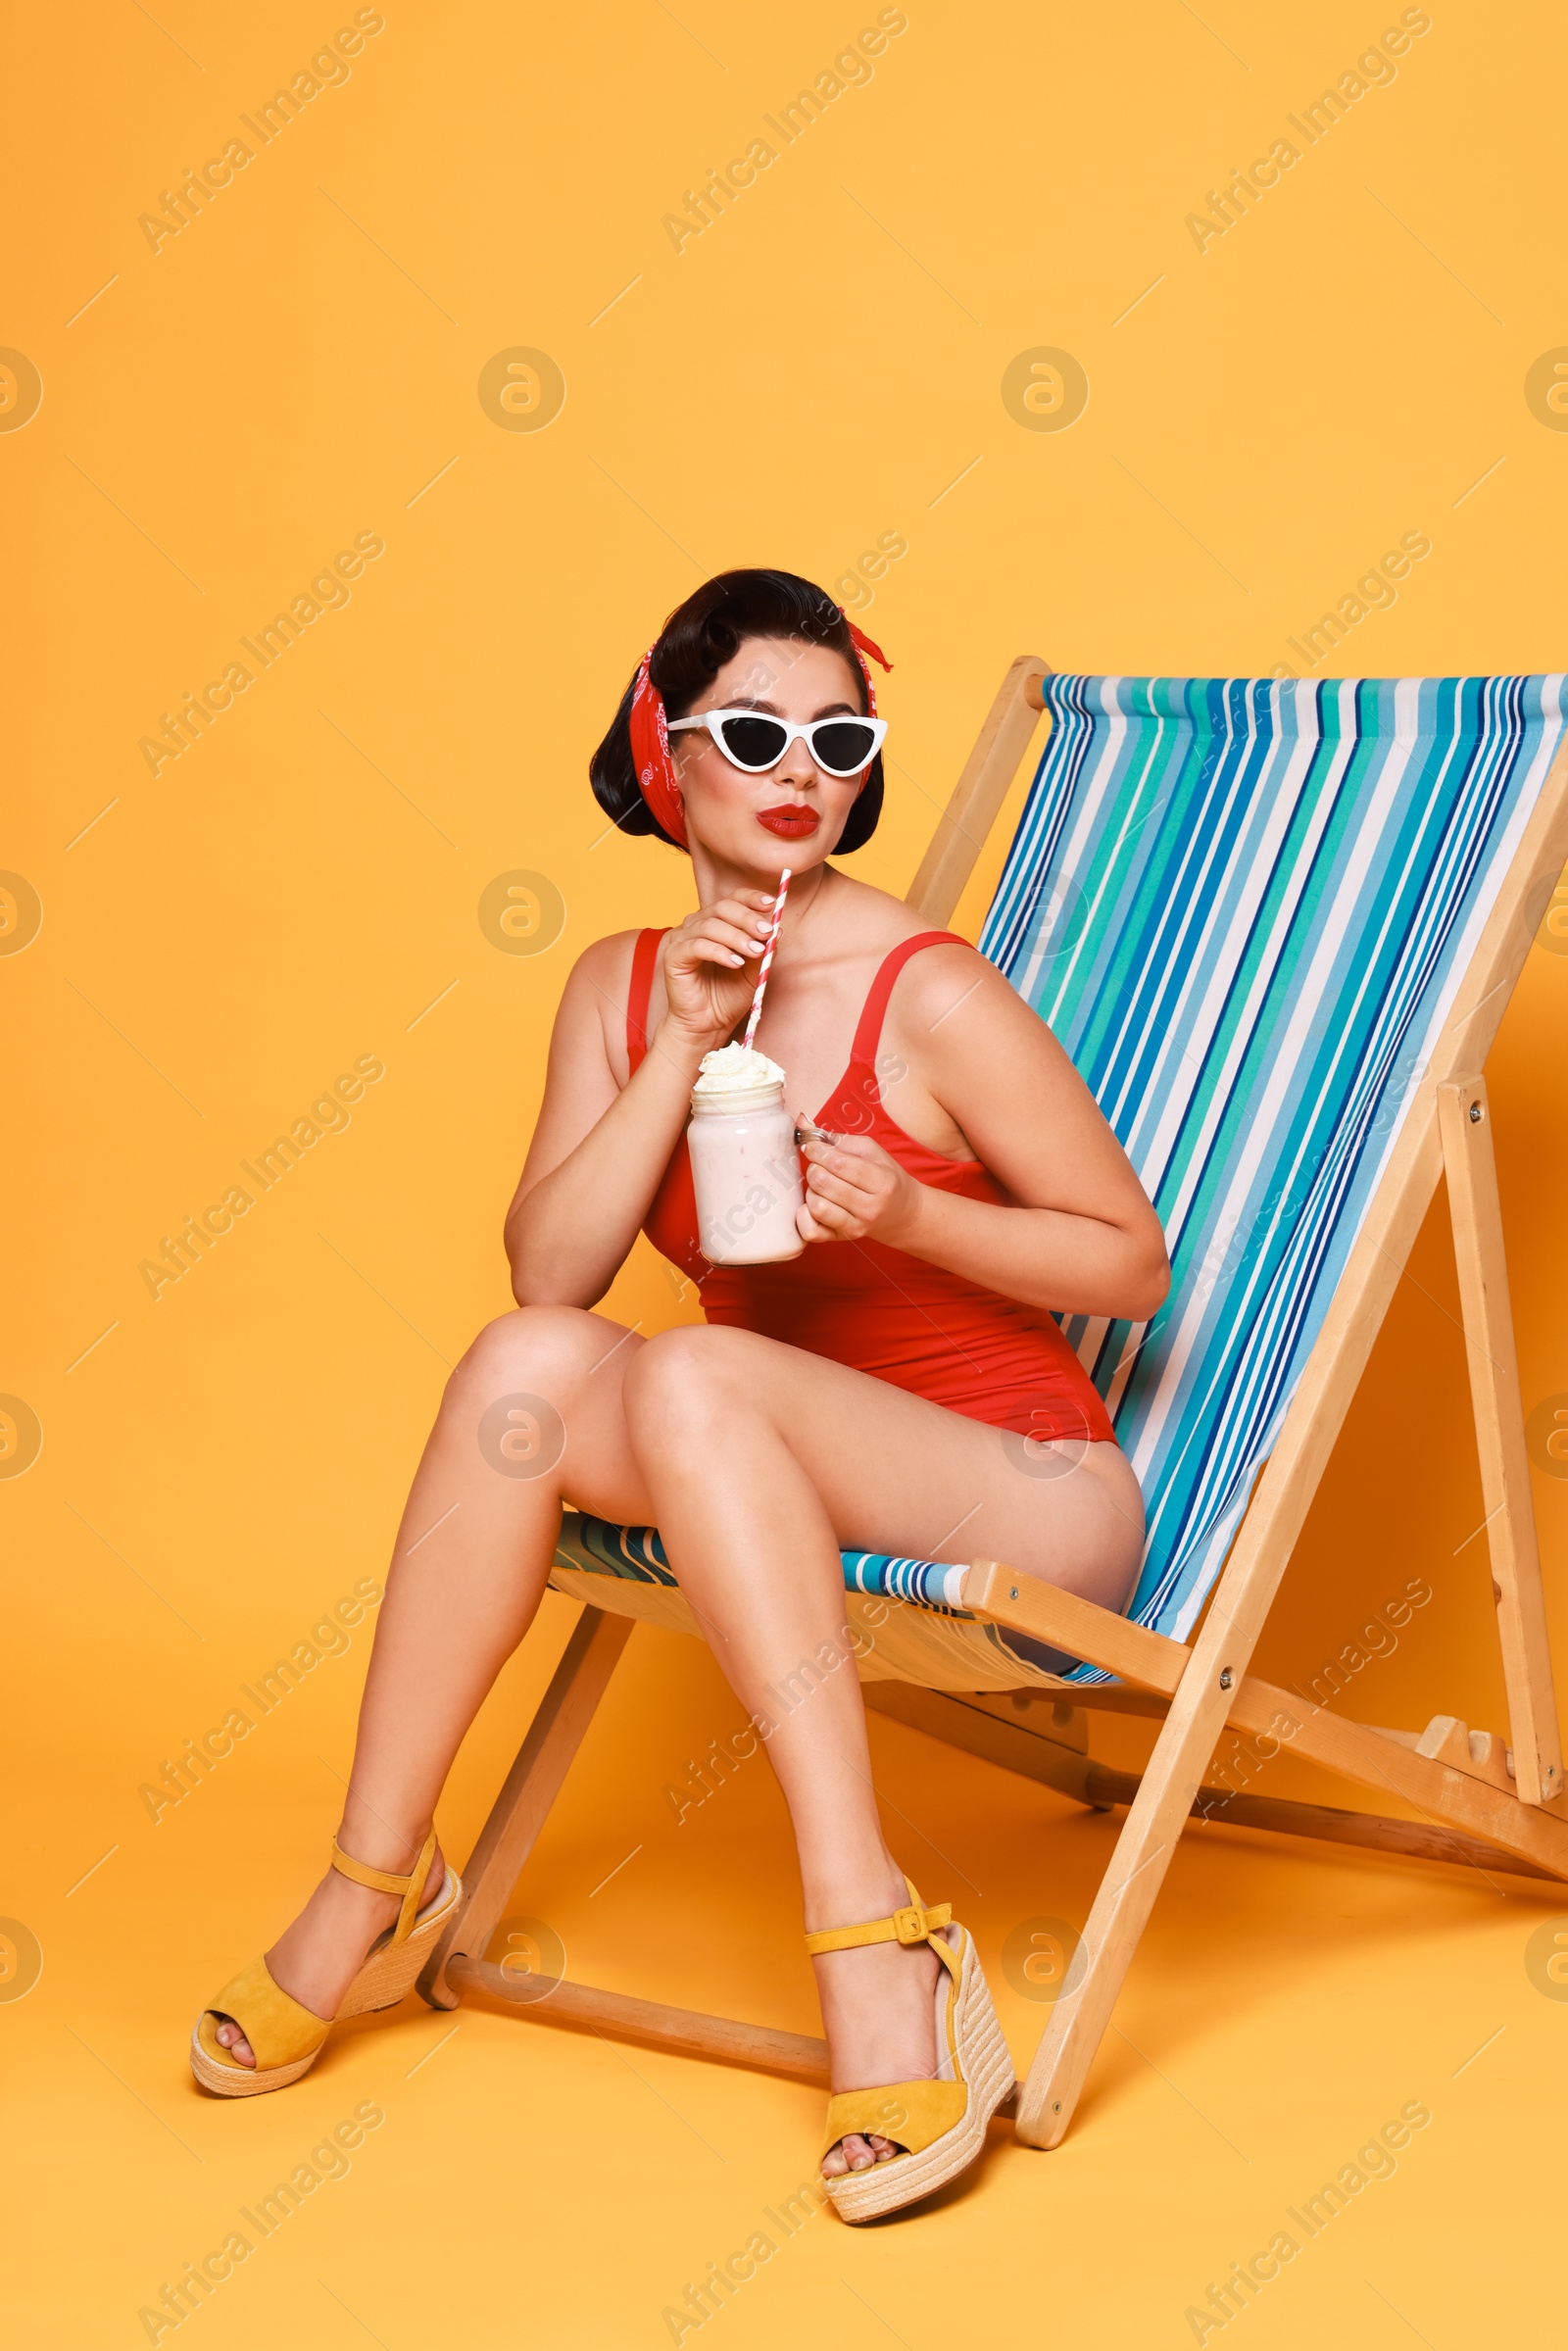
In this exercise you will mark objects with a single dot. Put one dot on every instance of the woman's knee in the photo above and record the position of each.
(541, 1352)
(685, 1385)
(1121, 1549)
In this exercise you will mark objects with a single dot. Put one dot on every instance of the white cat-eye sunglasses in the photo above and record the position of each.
(755, 742)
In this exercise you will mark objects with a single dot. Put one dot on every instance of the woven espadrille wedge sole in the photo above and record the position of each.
(941, 2124)
(288, 2039)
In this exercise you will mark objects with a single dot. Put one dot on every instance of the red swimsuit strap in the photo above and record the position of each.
(643, 964)
(862, 1053)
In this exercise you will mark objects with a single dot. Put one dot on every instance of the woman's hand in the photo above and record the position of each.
(711, 965)
(854, 1191)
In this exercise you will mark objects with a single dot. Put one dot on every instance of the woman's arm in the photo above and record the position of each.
(1085, 1239)
(600, 1149)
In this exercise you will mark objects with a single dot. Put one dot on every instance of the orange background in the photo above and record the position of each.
(820, 367)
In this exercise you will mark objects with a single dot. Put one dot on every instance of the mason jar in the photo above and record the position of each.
(746, 1174)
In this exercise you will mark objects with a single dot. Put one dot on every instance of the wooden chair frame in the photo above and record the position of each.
(1483, 1800)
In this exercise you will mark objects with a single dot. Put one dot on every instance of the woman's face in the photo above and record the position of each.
(794, 814)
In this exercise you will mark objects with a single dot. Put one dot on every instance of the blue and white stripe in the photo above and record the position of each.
(1245, 910)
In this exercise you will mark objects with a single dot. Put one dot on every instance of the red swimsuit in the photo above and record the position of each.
(872, 1307)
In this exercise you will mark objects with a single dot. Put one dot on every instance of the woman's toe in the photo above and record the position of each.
(858, 2153)
(234, 2041)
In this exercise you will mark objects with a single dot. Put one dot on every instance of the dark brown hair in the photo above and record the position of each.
(697, 640)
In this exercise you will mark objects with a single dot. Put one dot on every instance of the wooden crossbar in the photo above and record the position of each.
(685, 2031)
(1376, 1758)
(977, 1724)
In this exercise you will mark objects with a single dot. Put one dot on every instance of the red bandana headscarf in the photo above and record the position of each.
(650, 736)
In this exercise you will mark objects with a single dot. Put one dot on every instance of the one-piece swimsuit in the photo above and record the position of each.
(859, 1303)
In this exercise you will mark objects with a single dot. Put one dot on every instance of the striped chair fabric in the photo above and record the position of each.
(1244, 908)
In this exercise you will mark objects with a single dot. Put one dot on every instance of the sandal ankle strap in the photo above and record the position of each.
(914, 1924)
(390, 1881)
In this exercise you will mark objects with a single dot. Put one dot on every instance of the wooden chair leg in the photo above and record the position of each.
(1466, 1119)
(1142, 1853)
(521, 1808)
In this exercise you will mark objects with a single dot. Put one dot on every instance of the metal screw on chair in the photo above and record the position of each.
(1226, 1679)
(1012, 1592)
(1475, 1114)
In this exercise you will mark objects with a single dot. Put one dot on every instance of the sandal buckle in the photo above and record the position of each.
(908, 1924)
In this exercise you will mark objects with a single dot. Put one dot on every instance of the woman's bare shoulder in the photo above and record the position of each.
(594, 999)
(606, 963)
(877, 918)
(949, 973)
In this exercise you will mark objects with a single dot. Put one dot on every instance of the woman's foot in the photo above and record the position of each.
(879, 2011)
(317, 1959)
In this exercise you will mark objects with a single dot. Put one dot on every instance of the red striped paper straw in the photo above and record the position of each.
(768, 958)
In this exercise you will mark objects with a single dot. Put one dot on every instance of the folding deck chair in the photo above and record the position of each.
(1276, 926)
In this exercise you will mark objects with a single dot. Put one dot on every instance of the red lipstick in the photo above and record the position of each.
(792, 822)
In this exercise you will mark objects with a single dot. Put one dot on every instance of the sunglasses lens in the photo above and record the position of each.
(843, 745)
(752, 742)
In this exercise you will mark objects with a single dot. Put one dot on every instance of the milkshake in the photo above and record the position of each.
(746, 1171)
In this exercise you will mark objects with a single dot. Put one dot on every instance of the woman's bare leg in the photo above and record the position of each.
(761, 1463)
(468, 1570)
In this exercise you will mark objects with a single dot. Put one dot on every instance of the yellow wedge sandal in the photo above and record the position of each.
(288, 2039)
(941, 2124)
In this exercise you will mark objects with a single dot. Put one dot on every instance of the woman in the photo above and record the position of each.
(901, 1386)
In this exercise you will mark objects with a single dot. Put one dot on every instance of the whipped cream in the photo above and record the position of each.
(736, 1069)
